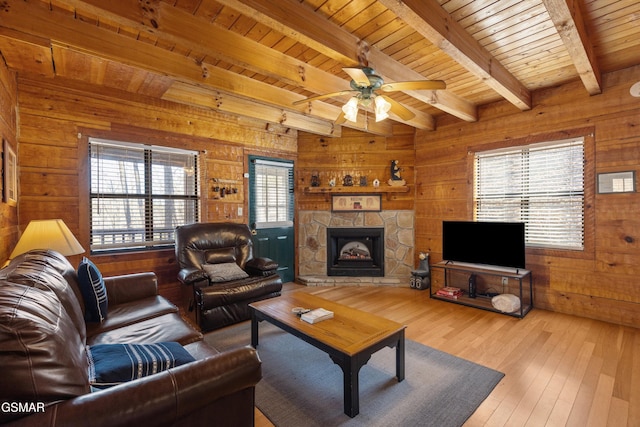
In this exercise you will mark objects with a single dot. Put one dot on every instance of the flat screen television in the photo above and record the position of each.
(492, 243)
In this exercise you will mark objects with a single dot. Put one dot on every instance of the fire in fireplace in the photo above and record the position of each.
(355, 252)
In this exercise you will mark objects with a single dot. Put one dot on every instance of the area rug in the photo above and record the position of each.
(301, 386)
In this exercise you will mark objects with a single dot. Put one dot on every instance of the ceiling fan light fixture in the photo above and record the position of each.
(382, 108)
(350, 109)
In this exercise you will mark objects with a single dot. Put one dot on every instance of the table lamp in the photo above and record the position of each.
(47, 234)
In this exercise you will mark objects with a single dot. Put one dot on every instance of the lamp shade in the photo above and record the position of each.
(382, 108)
(47, 234)
(350, 109)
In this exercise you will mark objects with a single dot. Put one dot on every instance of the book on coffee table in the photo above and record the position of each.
(317, 315)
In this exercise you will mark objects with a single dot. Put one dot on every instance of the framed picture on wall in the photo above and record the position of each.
(9, 175)
(356, 203)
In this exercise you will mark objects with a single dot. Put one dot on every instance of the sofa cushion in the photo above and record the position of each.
(224, 272)
(132, 312)
(42, 356)
(45, 269)
(93, 290)
(113, 364)
(168, 327)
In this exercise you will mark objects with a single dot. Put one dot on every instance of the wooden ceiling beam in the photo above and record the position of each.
(303, 25)
(63, 32)
(197, 96)
(26, 52)
(227, 102)
(177, 26)
(430, 20)
(568, 20)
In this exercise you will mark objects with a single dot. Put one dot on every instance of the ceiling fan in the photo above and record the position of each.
(365, 84)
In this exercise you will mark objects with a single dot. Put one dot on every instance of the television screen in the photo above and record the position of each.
(493, 243)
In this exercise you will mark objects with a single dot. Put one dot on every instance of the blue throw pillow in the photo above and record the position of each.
(112, 364)
(93, 291)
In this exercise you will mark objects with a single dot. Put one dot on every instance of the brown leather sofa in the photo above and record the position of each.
(224, 301)
(44, 357)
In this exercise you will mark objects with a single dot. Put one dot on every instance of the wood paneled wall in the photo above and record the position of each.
(602, 281)
(57, 116)
(56, 119)
(355, 153)
(8, 120)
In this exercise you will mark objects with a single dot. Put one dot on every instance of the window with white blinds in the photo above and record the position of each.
(139, 194)
(272, 187)
(541, 185)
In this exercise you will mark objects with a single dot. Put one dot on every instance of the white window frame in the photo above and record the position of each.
(273, 202)
(143, 231)
(549, 199)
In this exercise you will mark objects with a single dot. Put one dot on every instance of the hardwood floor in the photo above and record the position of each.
(559, 370)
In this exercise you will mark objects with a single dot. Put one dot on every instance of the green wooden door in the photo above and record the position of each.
(271, 212)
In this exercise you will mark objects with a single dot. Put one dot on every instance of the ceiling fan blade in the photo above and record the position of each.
(414, 85)
(325, 96)
(341, 119)
(398, 109)
(358, 76)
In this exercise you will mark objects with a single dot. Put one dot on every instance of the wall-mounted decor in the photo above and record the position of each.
(223, 187)
(9, 175)
(356, 203)
(617, 182)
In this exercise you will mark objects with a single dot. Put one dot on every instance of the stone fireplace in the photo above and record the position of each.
(355, 252)
(397, 242)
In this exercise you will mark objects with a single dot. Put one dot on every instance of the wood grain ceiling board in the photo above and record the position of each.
(487, 50)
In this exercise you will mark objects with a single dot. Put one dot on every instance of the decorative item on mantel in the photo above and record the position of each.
(332, 182)
(396, 180)
(348, 181)
(315, 179)
(376, 183)
(363, 181)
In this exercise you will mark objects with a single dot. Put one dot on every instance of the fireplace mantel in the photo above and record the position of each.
(389, 190)
(358, 190)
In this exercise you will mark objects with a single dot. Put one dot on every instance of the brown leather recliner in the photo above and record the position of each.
(222, 295)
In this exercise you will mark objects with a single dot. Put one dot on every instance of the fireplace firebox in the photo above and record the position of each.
(355, 252)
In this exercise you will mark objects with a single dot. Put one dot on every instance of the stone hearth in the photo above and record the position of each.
(398, 246)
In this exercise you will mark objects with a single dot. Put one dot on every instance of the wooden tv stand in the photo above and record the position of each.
(490, 281)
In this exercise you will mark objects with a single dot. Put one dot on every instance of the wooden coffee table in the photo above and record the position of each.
(350, 338)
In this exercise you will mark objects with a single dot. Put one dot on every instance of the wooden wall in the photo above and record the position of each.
(358, 154)
(602, 281)
(8, 120)
(56, 119)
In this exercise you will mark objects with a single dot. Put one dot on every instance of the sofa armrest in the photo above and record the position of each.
(131, 287)
(261, 266)
(191, 275)
(187, 392)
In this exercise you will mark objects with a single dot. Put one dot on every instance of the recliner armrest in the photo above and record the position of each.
(191, 275)
(131, 287)
(261, 266)
(164, 398)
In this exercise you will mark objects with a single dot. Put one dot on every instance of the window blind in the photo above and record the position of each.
(140, 193)
(272, 191)
(541, 185)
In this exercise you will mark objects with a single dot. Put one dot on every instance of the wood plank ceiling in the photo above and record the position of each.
(255, 58)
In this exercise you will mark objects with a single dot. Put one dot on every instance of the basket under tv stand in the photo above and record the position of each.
(490, 281)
